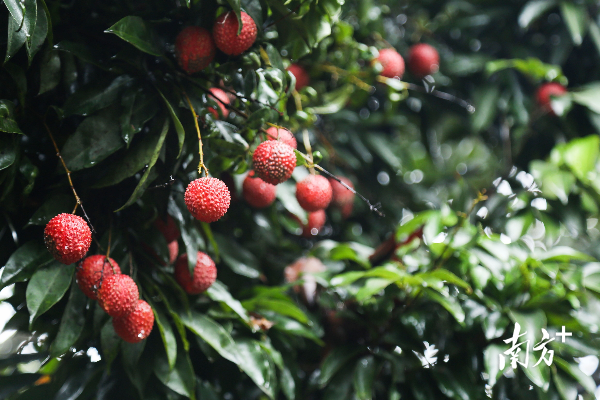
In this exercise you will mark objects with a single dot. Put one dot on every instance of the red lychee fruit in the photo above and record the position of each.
(118, 295)
(347, 209)
(92, 271)
(225, 33)
(194, 48)
(67, 238)
(173, 251)
(302, 77)
(205, 273)
(258, 193)
(316, 221)
(168, 228)
(207, 199)
(341, 196)
(392, 62)
(282, 135)
(221, 99)
(544, 93)
(137, 325)
(274, 161)
(314, 193)
(423, 60)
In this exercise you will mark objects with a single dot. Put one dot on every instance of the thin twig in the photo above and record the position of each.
(201, 166)
(77, 199)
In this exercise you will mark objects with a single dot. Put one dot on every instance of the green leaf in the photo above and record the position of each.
(339, 357)
(286, 194)
(181, 378)
(8, 123)
(135, 31)
(274, 56)
(573, 370)
(292, 327)
(30, 19)
(581, 155)
(235, 7)
(21, 264)
(576, 20)
(239, 259)
(46, 287)
(18, 76)
(213, 334)
(588, 96)
(563, 254)
(531, 67)
(283, 307)
(109, 342)
(96, 138)
(13, 383)
(16, 37)
(595, 34)
(364, 376)
(257, 365)
(134, 160)
(491, 358)
(61, 203)
(334, 101)
(38, 36)
(143, 183)
(178, 127)
(166, 333)
(218, 292)
(485, 106)
(139, 108)
(533, 10)
(8, 151)
(72, 322)
(371, 287)
(449, 303)
(445, 275)
(566, 388)
(49, 71)
(96, 96)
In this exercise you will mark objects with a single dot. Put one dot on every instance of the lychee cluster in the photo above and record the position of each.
(423, 60)
(100, 278)
(195, 47)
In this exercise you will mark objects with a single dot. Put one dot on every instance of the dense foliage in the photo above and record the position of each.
(477, 217)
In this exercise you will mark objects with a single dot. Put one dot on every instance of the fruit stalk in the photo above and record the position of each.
(201, 165)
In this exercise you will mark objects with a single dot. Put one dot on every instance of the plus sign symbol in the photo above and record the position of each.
(564, 334)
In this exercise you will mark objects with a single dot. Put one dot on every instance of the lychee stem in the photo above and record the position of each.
(351, 77)
(77, 199)
(306, 141)
(201, 165)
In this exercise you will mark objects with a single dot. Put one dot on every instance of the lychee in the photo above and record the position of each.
(274, 161)
(137, 325)
(207, 199)
(340, 194)
(118, 295)
(392, 62)
(67, 238)
(302, 77)
(225, 33)
(194, 48)
(282, 135)
(205, 273)
(423, 60)
(92, 271)
(316, 221)
(221, 98)
(314, 192)
(168, 228)
(173, 250)
(258, 193)
(544, 93)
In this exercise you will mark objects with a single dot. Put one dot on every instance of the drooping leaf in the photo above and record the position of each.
(24, 261)
(46, 287)
(213, 334)
(49, 71)
(364, 377)
(72, 322)
(136, 31)
(219, 292)
(576, 20)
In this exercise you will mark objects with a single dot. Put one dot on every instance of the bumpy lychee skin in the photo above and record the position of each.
(392, 62)
(137, 325)
(67, 238)
(118, 295)
(274, 161)
(314, 193)
(258, 193)
(423, 60)
(341, 195)
(225, 34)
(542, 96)
(316, 221)
(207, 199)
(205, 273)
(302, 77)
(92, 271)
(168, 228)
(282, 135)
(194, 48)
(220, 97)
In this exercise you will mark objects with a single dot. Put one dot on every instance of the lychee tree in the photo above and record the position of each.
(298, 199)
